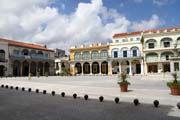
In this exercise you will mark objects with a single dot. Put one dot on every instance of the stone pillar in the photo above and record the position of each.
(82, 71)
(90, 68)
(171, 66)
(130, 69)
(100, 68)
(109, 68)
(21, 73)
(142, 67)
(120, 67)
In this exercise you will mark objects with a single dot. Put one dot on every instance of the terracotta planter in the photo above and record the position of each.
(175, 91)
(124, 87)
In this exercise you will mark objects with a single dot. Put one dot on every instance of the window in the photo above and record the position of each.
(151, 45)
(123, 40)
(104, 54)
(115, 54)
(16, 52)
(166, 44)
(2, 56)
(85, 55)
(176, 66)
(77, 56)
(167, 57)
(137, 39)
(124, 53)
(116, 41)
(95, 55)
(134, 52)
(131, 39)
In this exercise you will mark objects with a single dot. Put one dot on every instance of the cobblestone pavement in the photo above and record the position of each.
(24, 105)
(145, 88)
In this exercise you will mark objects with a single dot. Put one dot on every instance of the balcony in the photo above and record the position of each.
(32, 57)
(127, 56)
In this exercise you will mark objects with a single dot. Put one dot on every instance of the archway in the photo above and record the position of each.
(2, 56)
(115, 67)
(104, 67)
(78, 68)
(86, 68)
(136, 67)
(125, 66)
(46, 67)
(17, 68)
(33, 68)
(25, 68)
(2, 70)
(95, 68)
(40, 68)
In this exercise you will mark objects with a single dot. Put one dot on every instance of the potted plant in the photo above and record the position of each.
(174, 85)
(123, 83)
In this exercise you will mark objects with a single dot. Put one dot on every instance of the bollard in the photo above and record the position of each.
(17, 88)
(53, 93)
(23, 89)
(74, 95)
(101, 98)
(11, 87)
(63, 94)
(86, 97)
(37, 90)
(116, 100)
(7, 86)
(156, 103)
(2, 86)
(178, 105)
(44, 91)
(136, 102)
(29, 89)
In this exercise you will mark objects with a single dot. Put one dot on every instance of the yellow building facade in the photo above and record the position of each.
(91, 59)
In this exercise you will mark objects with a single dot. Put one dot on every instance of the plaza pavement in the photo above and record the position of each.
(24, 105)
(145, 88)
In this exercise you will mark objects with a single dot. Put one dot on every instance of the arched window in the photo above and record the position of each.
(151, 57)
(166, 42)
(40, 53)
(85, 55)
(2, 56)
(77, 56)
(124, 52)
(95, 54)
(25, 52)
(134, 51)
(114, 52)
(104, 54)
(151, 43)
(33, 52)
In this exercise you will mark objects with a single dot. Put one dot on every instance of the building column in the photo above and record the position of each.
(100, 68)
(21, 73)
(119, 67)
(130, 69)
(82, 71)
(142, 67)
(171, 66)
(29, 67)
(109, 68)
(90, 68)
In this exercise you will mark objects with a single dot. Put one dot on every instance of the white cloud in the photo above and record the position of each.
(161, 2)
(154, 22)
(35, 21)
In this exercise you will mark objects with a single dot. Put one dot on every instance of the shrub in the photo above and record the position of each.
(122, 79)
(174, 82)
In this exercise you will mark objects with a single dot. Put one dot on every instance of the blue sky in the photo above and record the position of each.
(134, 10)
(66, 23)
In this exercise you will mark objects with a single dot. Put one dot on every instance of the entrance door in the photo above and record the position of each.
(138, 68)
(166, 67)
(1, 70)
(152, 68)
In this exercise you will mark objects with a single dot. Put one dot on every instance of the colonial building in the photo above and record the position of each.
(20, 59)
(161, 50)
(141, 52)
(61, 61)
(90, 59)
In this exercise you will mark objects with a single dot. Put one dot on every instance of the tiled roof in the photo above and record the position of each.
(145, 31)
(126, 34)
(23, 44)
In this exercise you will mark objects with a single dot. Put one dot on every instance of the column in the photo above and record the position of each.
(90, 68)
(119, 67)
(82, 71)
(109, 68)
(59, 65)
(43, 69)
(172, 66)
(21, 69)
(29, 67)
(99, 68)
(142, 67)
(130, 71)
